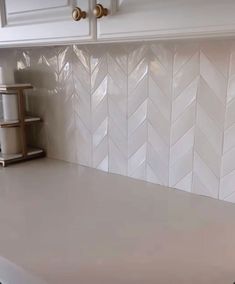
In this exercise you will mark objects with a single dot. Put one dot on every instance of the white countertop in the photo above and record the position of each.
(69, 224)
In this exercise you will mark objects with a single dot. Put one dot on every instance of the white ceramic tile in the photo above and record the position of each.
(211, 104)
(182, 146)
(161, 75)
(97, 55)
(204, 180)
(185, 183)
(218, 52)
(158, 156)
(213, 134)
(82, 55)
(232, 59)
(137, 118)
(207, 152)
(137, 75)
(81, 75)
(201, 188)
(229, 138)
(99, 94)
(137, 138)
(164, 53)
(231, 88)
(139, 172)
(185, 99)
(99, 114)
(186, 74)
(181, 168)
(151, 176)
(214, 79)
(84, 144)
(137, 160)
(227, 186)
(100, 154)
(183, 124)
(117, 160)
(136, 53)
(183, 53)
(159, 99)
(138, 96)
(117, 136)
(228, 163)
(159, 166)
(99, 73)
(159, 145)
(116, 96)
(118, 117)
(117, 73)
(119, 55)
(159, 122)
(230, 114)
(100, 133)
(153, 111)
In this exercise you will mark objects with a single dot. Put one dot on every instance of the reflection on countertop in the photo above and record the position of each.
(71, 224)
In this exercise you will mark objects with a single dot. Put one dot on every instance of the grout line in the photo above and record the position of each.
(225, 115)
(127, 105)
(171, 112)
(147, 124)
(195, 119)
(91, 122)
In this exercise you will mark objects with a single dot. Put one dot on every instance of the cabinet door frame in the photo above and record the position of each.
(35, 30)
(105, 32)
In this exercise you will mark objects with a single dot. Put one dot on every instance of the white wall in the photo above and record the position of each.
(161, 112)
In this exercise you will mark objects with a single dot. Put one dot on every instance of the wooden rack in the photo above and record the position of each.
(27, 152)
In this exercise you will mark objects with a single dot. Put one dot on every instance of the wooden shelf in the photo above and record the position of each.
(9, 157)
(32, 119)
(10, 123)
(32, 152)
(26, 152)
(16, 123)
(15, 87)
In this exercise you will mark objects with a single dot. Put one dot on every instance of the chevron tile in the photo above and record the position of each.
(137, 112)
(99, 109)
(65, 92)
(185, 87)
(51, 69)
(227, 189)
(161, 112)
(82, 105)
(117, 110)
(210, 121)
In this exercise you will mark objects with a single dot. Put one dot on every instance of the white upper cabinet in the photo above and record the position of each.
(130, 19)
(34, 21)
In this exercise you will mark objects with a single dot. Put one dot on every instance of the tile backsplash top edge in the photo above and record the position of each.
(163, 112)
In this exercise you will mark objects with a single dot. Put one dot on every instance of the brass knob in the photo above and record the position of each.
(78, 14)
(99, 11)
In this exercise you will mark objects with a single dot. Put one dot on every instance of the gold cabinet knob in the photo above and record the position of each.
(78, 14)
(99, 11)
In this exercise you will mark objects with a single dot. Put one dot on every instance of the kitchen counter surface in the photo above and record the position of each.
(70, 224)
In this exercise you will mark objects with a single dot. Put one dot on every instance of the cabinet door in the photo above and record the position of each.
(34, 21)
(166, 18)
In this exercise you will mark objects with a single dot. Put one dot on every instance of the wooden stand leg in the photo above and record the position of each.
(26, 153)
(22, 122)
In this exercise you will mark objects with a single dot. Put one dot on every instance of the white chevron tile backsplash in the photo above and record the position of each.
(161, 112)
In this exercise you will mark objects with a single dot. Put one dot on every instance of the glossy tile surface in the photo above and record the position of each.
(160, 112)
(64, 223)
